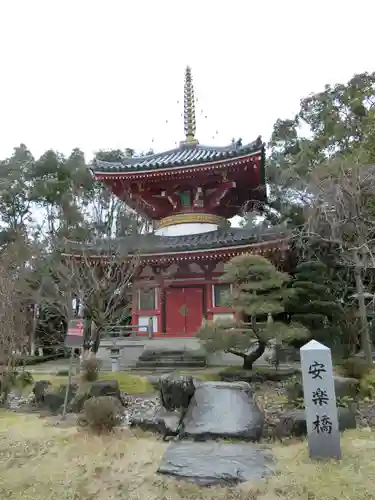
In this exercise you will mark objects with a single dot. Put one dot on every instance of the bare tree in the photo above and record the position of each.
(15, 295)
(342, 212)
(100, 286)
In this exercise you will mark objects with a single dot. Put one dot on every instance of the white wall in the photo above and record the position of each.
(186, 228)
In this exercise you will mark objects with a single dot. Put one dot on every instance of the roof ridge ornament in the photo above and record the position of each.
(189, 110)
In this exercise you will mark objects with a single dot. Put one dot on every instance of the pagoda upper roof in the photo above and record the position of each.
(187, 155)
(152, 244)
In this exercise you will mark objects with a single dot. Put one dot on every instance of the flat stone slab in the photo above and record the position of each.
(214, 463)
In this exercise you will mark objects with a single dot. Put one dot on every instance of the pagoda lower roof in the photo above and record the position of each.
(154, 245)
(186, 155)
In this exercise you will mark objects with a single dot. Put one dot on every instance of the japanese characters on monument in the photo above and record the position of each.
(320, 401)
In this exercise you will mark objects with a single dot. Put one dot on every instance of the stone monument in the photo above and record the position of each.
(320, 401)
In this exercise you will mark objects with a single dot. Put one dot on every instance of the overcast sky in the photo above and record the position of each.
(109, 74)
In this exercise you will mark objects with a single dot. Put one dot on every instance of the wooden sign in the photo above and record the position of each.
(74, 336)
(320, 401)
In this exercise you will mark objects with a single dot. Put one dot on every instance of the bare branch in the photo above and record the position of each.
(343, 214)
(15, 296)
(101, 285)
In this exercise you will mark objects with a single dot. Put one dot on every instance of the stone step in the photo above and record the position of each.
(173, 353)
(170, 359)
(167, 364)
(174, 359)
(184, 355)
(165, 369)
(160, 370)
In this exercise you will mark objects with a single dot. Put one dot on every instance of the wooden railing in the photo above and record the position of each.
(129, 331)
(133, 331)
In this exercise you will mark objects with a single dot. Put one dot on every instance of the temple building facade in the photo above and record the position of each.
(190, 193)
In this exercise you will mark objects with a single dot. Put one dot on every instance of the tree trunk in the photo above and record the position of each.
(365, 336)
(96, 331)
(249, 359)
(87, 326)
(33, 330)
(96, 343)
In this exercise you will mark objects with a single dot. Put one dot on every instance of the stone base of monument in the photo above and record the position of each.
(213, 463)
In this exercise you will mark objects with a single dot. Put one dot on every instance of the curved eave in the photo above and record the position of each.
(185, 168)
(221, 253)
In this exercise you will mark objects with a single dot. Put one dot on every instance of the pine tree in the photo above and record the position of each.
(315, 303)
(257, 294)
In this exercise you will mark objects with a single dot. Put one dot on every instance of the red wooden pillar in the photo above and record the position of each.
(209, 303)
(158, 271)
(135, 306)
(159, 308)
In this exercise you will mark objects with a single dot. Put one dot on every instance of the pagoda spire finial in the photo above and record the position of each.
(189, 109)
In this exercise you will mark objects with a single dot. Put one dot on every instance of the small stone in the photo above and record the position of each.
(162, 421)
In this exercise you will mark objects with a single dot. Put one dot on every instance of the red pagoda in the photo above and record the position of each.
(190, 193)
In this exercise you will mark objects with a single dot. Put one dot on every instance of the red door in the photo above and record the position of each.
(184, 310)
(194, 305)
(175, 321)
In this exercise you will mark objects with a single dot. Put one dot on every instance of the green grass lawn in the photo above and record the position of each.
(40, 460)
(132, 384)
(129, 382)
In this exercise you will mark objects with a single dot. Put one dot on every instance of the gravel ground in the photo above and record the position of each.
(272, 396)
(133, 403)
(366, 414)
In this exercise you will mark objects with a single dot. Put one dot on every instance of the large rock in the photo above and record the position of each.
(163, 421)
(53, 399)
(39, 390)
(346, 387)
(293, 423)
(223, 409)
(176, 391)
(211, 463)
